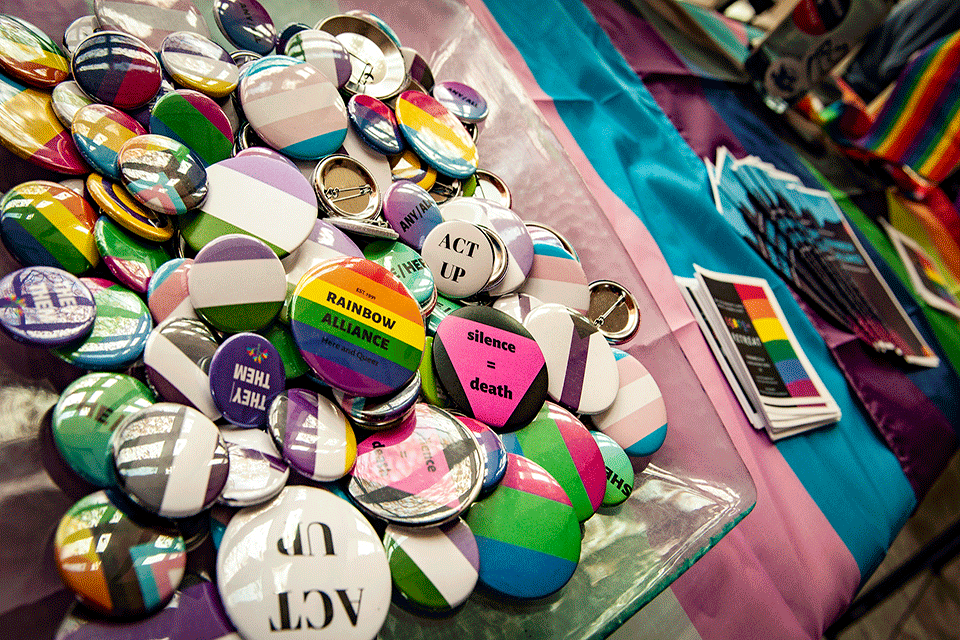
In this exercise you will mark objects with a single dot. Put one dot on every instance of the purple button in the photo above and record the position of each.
(411, 212)
(461, 100)
(246, 373)
(246, 24)
(45, 306)
(376, 123)
(313, 435)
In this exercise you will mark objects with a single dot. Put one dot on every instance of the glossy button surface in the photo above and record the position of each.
(385, 412)
(245, 375)
(425, 472)
(44, 223)
(516, 305)
(637, 420)
(195, 120)
(78, 31)
(410, 210)
(170, 459)
(461, 257)
(441, 310)
(115, 566)
(408, 166)
(293, 107)
(167, 293)
(240, 190)
(199, 63)
(278, 561)
(434, 568)
(377, 67)
(88, 412)
(162, 174)
(29, 127)
(258, 283)
(312, 434)
(556, 276)
(257, 473)
(527, 533)
(68, 98)
(346, 188)
(29, 54)
(119, 332)
(177, 358)
(45, 306)
(495, 455)
(116, 69)
(490, 366)
(325, 241)
(407, 265)
(150, 20)
(246, 24)
(559, 443)
(99, 132)
(323, 51)
(357, 327)
(620, 476)
(436, 135)
(461, 100)
(614, 311)
(376, 123)
(132, 260)
(115, 201)
(583, 370)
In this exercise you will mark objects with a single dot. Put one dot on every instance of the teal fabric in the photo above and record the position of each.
(854, 479)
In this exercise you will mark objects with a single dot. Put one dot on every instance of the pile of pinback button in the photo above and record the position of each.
(311, 324)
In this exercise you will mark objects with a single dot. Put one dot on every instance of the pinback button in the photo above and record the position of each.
(167, 293)
(527, 533)
(240, 190)
(88, 412)
(30, 128)
(199, 63)
(287, 33)
(434, 568)
(490, 366)
(45, 306)
(378, 414)
(170, 460)
(245, 375)
(30, 55)
(408, 166)
(119, 332)
(325, 241)
(78, 31)
(637, 420)
(516, 305)
(67, 100)
(614, 311)
(280, 337)
(195, 120)
(376, 123)
(377, 67)
(461, 100)
(376, 163)
(346, 189)
(461, 257)
(620, 475)
(246, 24)
(162, 174)
(310, 542)
(441, 310)
(150, 20)
(115, 201)
(116, 69)
(257, 473)
(357, 326)
(130, 259)
(258, 292)
(583, 371)
(491, 187)
(542, 234)
(411, 212)
(424, 472)
(557, 277)
(417, 68)
(177, 358)
(408, 266)
(558, 442)
(436, 135)
(373, 18)
(115, 566)
(99, 131)
(445, 188)
(495, 455)
(293, 107)
(312, 434)
(323, 51)
(375, 228)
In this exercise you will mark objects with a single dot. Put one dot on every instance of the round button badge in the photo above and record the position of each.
(557, 276)
(115, 201)
(30, 55)
(377, 414)
(257, 473)
(78, 31)
(490, 366)
(357, 327)
(376, 123)
(116, 69)
(100, 131)
(167, 293)
(132, 260)
(246, 24)
(198, 63)
(461, 100)
(495, 461)
(162, 174)
(170, 460)
(408, 166)
(195, 120)
(325, 241)
(436, 135)
(620, 476)
(377, 67)
(312, 434)
(177, 358)
(150, 20)
(115, 566)
(246, 374)
(425, 472)
(407, 265)
(316, 567)
(411, 212)
(45, 306)
(68, 98)
(323, 51)
(461, 257)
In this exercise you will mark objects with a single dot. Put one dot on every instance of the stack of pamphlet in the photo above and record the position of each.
(770, 374)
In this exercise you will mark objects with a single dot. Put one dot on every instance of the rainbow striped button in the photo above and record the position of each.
(527, 533)
(30, 55)
(357, 326)
(100, 131)
(436, 135)
(150, 20)
(44, 223)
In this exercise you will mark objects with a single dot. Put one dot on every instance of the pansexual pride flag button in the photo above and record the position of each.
(357, 326)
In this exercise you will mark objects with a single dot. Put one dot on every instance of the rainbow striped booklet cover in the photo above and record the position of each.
(758, 352)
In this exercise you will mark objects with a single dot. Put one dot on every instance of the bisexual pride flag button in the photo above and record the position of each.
(357, 326)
